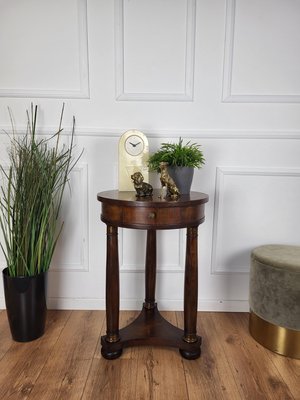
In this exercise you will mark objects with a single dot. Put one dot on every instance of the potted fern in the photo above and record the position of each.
(182, 159)
(32, 188)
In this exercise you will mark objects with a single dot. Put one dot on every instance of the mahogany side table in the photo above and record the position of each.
(124, 209)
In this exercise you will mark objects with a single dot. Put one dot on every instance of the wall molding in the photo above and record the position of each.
(188, 93)
(83, 216)
(136, 304)
(110, 132)
(84, 91)
(70, 303)
(221, 173)
(227, 95)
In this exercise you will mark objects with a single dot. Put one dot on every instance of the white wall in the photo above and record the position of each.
(222, 73)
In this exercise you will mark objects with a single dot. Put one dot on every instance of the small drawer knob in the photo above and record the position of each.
(151, 215)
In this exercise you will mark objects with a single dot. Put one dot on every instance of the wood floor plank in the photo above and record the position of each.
(65, 373)
(255, 374)
(23, 362)
(112, 379)
(209, 377)
(288, 368)
(6, 340)
(140, 373)
(157, 367)
(66, 364)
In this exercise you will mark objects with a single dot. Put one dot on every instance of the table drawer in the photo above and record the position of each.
(162, 217)
(152, 216)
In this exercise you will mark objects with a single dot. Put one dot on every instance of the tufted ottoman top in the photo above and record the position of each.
(278, 255)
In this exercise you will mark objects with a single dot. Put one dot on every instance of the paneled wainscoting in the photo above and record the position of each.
(66, 363)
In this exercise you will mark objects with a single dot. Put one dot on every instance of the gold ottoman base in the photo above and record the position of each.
(275, 338)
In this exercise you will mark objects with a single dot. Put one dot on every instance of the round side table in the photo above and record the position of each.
(124, 209)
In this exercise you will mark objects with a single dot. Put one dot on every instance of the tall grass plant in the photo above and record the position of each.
(31, 197)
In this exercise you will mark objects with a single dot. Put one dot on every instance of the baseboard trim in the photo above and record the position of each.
(67, 303)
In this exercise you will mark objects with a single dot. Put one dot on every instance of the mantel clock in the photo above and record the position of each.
(133, 157)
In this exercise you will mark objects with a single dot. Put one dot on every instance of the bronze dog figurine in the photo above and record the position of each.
(142, 188)
(167, 181)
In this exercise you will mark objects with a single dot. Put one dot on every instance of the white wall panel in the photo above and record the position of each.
(262, 59)
(253, 207)
(170, 250)
(44, 53)
(155, 49)
(71, 253)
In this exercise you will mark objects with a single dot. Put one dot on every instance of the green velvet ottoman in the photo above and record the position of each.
(275, 298)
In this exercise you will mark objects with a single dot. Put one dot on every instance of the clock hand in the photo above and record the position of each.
(134, 144)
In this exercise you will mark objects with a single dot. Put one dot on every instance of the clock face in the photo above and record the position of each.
(134, 145)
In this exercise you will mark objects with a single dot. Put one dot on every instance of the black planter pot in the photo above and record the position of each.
(25, 299)
(183, 177)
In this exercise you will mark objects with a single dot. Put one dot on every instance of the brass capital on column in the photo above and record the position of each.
(192, 232)
(111, 230)
(190, 338)
(149, 305)
(112, 338)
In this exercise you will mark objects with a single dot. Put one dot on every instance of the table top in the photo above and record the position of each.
(124, 209)
(155, 201)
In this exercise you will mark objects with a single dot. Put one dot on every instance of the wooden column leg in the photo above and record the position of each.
(112, 293)
(191, 293)
(150, 276)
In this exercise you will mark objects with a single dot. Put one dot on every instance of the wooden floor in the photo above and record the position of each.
(66, 363)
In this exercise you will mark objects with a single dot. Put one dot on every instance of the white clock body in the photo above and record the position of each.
(133, 157)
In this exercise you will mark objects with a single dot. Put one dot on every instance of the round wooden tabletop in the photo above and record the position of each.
(124, 209)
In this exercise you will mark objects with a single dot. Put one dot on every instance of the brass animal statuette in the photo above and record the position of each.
(167, 181)
(142, 188)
